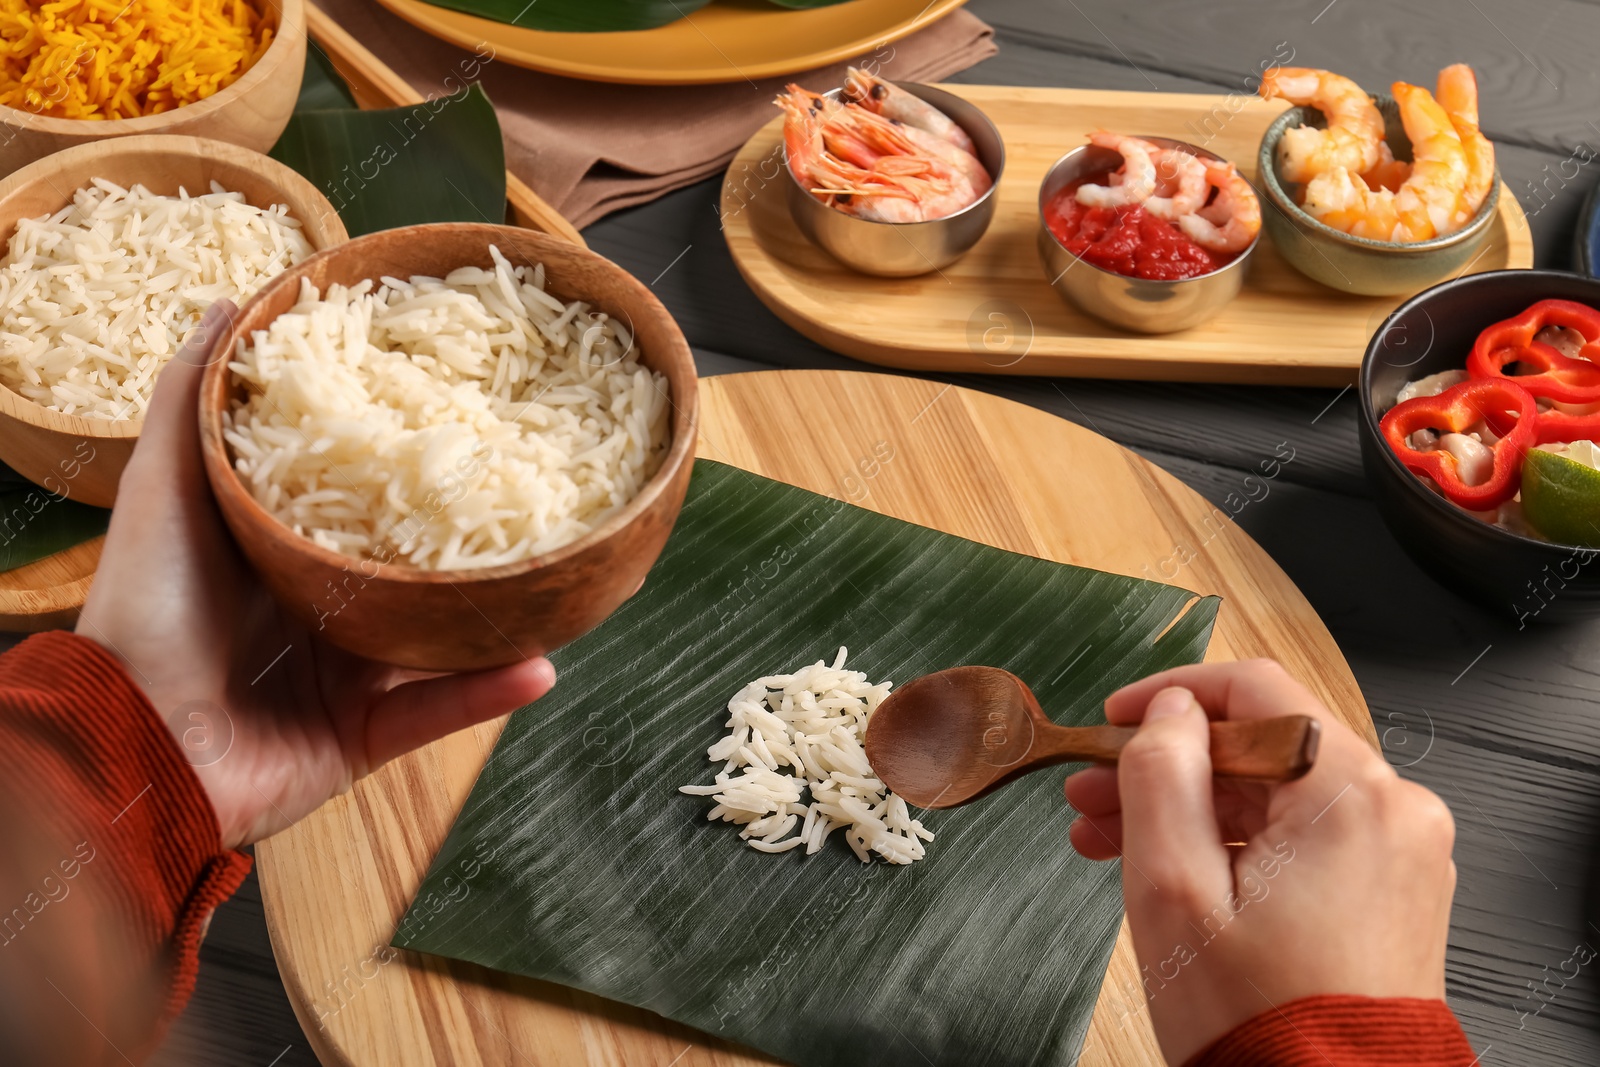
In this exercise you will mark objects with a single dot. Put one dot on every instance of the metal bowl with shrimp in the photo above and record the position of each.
(905, 249)
(1138, 304)
(1361, 264)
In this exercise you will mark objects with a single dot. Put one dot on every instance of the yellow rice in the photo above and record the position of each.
(118, 59)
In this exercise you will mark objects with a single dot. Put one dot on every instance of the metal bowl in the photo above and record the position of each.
(904, 249)
(1132, 303)
(1361, 264)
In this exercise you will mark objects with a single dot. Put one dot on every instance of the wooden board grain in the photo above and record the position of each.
(993, 310)
(335, 885)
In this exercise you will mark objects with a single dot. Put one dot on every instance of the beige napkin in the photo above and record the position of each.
(590, 148)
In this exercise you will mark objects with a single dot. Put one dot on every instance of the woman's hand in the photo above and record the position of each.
(274, 720)
(1242, 896)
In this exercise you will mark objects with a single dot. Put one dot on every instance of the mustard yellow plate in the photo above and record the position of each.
(726, 41)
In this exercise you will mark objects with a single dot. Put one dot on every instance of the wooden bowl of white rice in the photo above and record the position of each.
(450, 447)
(105, 271)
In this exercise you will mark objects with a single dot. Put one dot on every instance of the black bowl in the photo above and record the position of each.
(1521, 576)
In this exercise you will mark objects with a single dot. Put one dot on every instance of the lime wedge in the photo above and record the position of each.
(1561, 492)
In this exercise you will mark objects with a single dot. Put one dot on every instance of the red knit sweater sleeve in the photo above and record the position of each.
(1345, 1031)
(111, 865)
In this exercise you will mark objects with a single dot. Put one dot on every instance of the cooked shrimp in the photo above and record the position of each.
(1427, 204)
(1132, 184)
(875, 144)
(893, 102)
(855, 192)
(1231, 221)
(1355, 126)
(963, 162)
(1390, 173)
(1434, 197)
(1181, 185)
(1458, 95)
(1339, 199)
(865, 168)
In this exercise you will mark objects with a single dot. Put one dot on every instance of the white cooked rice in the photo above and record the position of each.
(454, 423)
(811, 723)
(96, 298)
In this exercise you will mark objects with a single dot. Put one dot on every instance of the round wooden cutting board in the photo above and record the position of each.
(992, 470)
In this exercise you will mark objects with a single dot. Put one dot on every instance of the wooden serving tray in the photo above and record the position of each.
(335, 885)
(994, 312)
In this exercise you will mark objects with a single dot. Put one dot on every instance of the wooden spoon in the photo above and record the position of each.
(952, 736)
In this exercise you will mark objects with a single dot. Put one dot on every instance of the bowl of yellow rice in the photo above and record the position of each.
(73, 71)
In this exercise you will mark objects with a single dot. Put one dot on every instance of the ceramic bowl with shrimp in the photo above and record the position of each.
(893, 179)
(1493, 563)
(1358, 264)
(1113, 291)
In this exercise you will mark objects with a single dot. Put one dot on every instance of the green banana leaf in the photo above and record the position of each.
(35, 524)
(594, 16)
(322, 89)
(577, 861)
(440, 161)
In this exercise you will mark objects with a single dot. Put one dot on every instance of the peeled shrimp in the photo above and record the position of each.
(1340, 199)
(1434, 197)
(1132, 184)
(1231, 221)
(1428, 203)
(1355, 126)
(894, 103)
(1390, 173)
(1181, 185)
(1458, 95)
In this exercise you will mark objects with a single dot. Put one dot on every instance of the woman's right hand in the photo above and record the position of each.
(1243, 896)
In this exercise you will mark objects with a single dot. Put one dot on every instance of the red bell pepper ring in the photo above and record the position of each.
(1558, 377)
(1560, 426)
(1508, 409)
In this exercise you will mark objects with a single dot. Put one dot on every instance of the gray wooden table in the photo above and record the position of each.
(1504, 724)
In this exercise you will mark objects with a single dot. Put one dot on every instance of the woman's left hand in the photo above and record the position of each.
(273, 719)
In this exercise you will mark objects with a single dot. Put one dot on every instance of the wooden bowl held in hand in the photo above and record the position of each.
(460, 620)
(251, 112)
(83, 458)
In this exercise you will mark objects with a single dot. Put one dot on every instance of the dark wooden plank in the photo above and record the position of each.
(1535, 63)
(240, 1013)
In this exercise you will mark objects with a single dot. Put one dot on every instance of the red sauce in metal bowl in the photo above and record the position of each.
(1127, 240)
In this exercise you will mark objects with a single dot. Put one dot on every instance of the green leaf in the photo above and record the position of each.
(577, 861)
(581, 16)
(35, 524)
(322, 89)
(439, 161)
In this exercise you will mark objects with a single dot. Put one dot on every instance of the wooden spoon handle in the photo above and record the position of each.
(1274, 750)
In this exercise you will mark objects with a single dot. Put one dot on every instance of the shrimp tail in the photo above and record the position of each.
(1458, 95)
